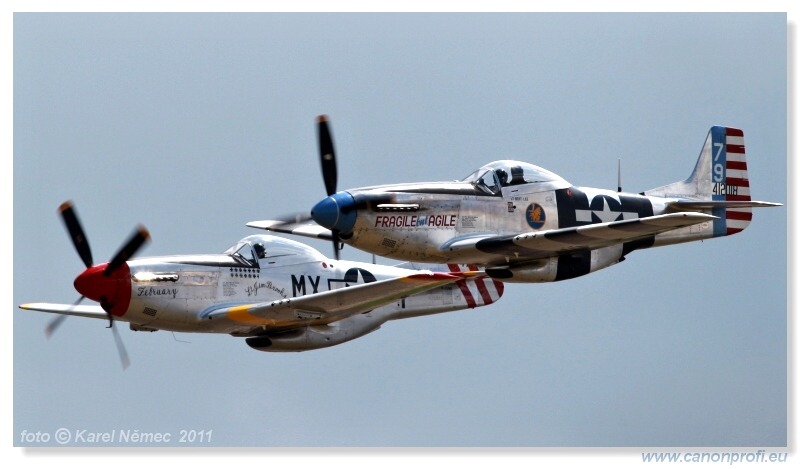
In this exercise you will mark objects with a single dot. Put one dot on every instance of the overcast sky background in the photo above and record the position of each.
(194, 124)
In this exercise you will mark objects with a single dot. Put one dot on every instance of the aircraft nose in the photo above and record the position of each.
(337, 212)
(112, 290)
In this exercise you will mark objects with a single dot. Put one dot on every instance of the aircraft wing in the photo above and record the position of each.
(548, 243)
(95, 312)
(301, 226)
(333, 305)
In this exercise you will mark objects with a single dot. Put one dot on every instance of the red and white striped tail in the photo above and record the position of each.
(737, 185)
(480, 291)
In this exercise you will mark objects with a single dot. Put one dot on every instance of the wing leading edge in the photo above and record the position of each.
(333, 305)
(95, 312)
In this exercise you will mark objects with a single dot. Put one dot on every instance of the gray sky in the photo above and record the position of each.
(194, 124)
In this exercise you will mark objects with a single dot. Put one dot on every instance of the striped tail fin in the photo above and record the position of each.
(718, 185)
(729, 180)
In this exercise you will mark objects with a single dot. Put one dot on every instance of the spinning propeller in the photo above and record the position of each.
(107, 283)
(327, 158)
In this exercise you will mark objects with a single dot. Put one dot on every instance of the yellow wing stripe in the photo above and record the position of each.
(241, 314)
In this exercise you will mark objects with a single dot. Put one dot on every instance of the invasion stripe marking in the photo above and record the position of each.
(487, 298)
(499, 286)
(463, 286)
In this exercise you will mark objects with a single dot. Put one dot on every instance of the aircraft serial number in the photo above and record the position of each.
(725, 189)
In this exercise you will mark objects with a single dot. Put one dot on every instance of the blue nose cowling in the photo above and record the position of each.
(337, 212)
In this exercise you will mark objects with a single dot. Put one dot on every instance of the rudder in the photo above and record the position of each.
(729, 180)
(718, 184)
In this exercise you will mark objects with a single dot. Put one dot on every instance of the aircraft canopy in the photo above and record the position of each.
(253, 249)
(497, 174)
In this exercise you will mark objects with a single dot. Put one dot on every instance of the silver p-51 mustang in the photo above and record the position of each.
(279, 294)
(524, 223)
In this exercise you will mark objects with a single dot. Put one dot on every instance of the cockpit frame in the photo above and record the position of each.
(491, 178)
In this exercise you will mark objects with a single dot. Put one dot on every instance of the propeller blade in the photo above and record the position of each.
(336, 243)
(53, 325)
(76, 233)
(326, 154)
(56, 321)
(127, 251)
(123, 353)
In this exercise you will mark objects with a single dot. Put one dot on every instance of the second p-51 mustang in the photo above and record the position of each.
(280, 295)
(524, 223)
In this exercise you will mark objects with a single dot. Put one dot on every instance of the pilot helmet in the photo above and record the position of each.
(502, 176)
(260, 251)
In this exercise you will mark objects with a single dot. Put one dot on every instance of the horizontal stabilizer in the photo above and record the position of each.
(303, 227)
(689, 205)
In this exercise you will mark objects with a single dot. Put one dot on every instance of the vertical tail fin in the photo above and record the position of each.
(718, 184)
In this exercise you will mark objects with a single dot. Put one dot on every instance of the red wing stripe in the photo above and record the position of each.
(487, 298)
(499, 286)
(462, 284)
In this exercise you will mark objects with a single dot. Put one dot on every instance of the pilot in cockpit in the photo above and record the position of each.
(260, 251)
(502, 176)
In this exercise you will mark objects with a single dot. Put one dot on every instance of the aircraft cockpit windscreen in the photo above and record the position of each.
(485, 181)
(509, 173)
(243, 253)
